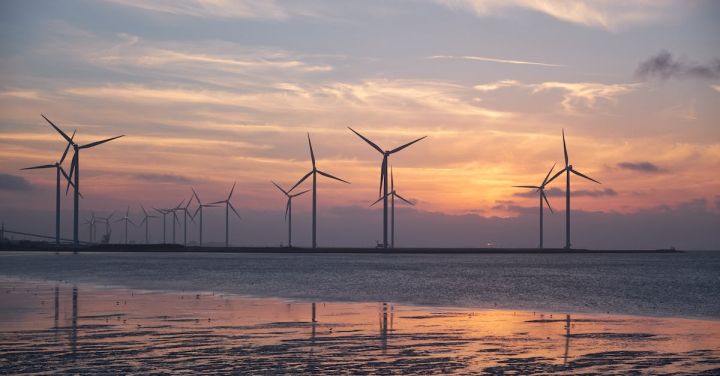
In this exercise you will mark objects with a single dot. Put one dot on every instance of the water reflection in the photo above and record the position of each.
(229, 334)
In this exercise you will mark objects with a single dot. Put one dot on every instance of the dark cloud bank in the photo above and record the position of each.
(639, 166)
(14, 183)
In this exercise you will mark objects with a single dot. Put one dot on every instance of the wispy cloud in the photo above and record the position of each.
(558, 192)
(266, 9)
(609, 15)
(664, 66)
(163, 178)
(716, 88)
(496, 60)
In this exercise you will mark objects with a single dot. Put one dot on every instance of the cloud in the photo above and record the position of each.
(557, 192)
(494, 60)
(639, 166)
(665, 66)
(164, 178)
(266, 9)
(14, 183)
(716, 88)
(608, 15)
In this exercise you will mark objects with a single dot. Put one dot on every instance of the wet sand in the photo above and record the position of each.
(88, 329)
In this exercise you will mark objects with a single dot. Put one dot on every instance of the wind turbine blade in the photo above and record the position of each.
(189, 201)
(231, 191)
(331, 177)
(378, 200)
(96, 143)
(68, 139)
(397, 149)
(215, 203)
(127, 213)
(548, 175)
(196, 196)
(555, 176)
(287, 209)
(131, 222)
(111, 215)
(368, 141)
(300, 181)
(119, 220)
(546, 201)
(278, 187)
(565, 148)
(401, 197)
(197, 210)
(180, 204)
(301, 193)
(392, 180)
(526, 186)
(143, 209)
(72, 170)
(312, 154)
(584, 176)
(143, 221)
(38, 167)
(233, 209)
(160, 211)
(67, 148)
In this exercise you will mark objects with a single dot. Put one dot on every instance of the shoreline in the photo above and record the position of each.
(172, 248)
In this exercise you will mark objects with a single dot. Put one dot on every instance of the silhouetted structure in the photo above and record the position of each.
(288, 210)
(75, 168)
(540, 188)
(384, 178)
(567, 170)
(200, 211)
(146, 221)
(126, 219)
(392, 194)
(314, 173)
(228, 206)
(59, 171)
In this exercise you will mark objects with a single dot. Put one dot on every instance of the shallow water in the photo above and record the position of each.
(86, 329)
(682, 285)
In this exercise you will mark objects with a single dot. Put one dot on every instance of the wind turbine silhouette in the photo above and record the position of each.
(392, 194)
(108, 228)
(186, 214)
(175, 218)
(91, 222)
(146, 221)
(383, 194)
(75, 168)
(126, 219)
(540, 188)
(200, 210)
(58, 172)
(164, 213)
(228, 206)
(314, 173)
(567, 170)
(288, 210)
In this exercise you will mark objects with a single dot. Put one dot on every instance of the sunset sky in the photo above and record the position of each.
(209, 92)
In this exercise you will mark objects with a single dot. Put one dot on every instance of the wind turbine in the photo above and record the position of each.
(567, 170)
(228, 206)
(392, 194)
(164, 213)
(314, 173)
(146, 221)
(541, 188)
(126, 219)
(175, 218)
(200, 210)
(75, 168)
(91, 222)
(288, 210)
(384, 178)
(108, 228)
(186, 213)
(58, 171)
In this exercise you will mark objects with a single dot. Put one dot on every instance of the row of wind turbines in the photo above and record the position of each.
(387, 194)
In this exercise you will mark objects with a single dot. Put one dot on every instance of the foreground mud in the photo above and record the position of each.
(48, 327)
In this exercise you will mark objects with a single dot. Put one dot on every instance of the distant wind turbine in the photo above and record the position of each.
(58, 172)
(228, 206)
(175, 218)
(541, 189)
(314, 173)
(288, 210)
(126, 219)
(164, 213)
(392, 194)
(200, 211)
(91, 222)
(108, 227)
(146, 221)
(567, 170)
(384, 178)
(75, 168)
(186, 214)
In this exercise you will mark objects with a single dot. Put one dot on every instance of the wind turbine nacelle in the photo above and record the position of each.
(569, 167)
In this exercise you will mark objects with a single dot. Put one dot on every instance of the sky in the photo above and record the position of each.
(212, 92)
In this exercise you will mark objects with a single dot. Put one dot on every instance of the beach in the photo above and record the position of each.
(132, 313)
